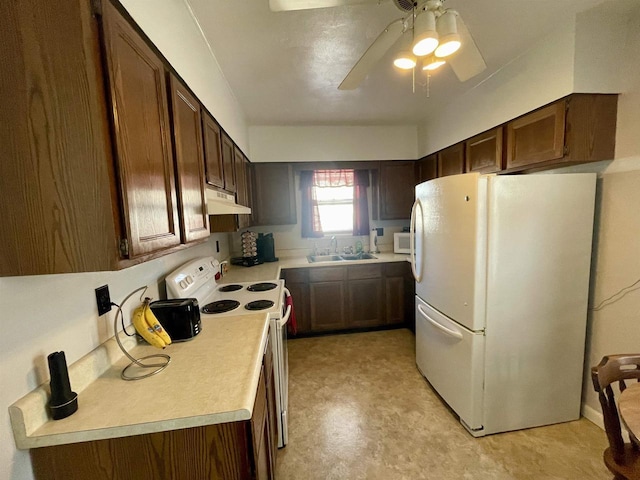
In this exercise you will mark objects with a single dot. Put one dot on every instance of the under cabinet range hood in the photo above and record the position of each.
(219, 203)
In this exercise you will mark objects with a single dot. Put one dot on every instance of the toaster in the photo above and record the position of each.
(180, 317)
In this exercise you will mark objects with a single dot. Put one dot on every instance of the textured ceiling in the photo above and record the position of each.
(284, 68)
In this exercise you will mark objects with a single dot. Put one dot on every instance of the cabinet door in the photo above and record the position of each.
(364, 303)
(484, 152)
(327, 306)
(397, 179)
(274, 196)
(427, 168)
(212, 150)
(451, 160)
(536, 137)
(142, 139)
(394, 296)
(187, 137)
(228, 164)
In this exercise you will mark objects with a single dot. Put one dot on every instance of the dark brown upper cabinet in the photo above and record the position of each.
(451, 160)
(274, 195)
(576, 129)
(396, 191)
(145, 162)
(189, 152)
(228, 164)
(56, 167)
(536, 137)
(212, 150)
(484, 152)
(427, 168)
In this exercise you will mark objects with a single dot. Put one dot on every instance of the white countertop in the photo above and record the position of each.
(211, 379)
(271, 271)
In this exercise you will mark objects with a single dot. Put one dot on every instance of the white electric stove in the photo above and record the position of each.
(198, 279)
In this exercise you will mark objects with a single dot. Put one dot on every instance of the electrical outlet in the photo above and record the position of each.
(103, 299)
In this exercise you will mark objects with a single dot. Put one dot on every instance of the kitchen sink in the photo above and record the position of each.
(339, 258)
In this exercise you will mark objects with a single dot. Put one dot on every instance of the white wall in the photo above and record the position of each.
(48, 313)
(539, 76)
(171, 27)
(332, 143)
(616, 261)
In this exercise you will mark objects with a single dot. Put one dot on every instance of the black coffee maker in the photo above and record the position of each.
(266, 248)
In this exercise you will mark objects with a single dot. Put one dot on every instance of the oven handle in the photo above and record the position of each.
(283, 321)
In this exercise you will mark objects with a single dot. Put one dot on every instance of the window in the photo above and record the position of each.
(334, 193)
(334, 201)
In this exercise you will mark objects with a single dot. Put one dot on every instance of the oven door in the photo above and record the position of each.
(281, 370)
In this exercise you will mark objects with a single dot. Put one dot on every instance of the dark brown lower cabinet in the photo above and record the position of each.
(227, 451)
(331, 299)
(327, 306)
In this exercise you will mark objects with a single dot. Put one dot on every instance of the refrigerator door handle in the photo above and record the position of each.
(412, 239)
(442, 328)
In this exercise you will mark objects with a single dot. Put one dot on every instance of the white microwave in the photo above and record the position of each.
(401, 242)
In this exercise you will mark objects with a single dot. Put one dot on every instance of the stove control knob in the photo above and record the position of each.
(189, 280)
(183, 283)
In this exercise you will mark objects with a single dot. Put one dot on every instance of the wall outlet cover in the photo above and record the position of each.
(103, 299)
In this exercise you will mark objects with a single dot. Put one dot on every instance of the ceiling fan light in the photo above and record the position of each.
(449, 45)
(432, 63)
(405, 60)
(425, 46)
(426, 35)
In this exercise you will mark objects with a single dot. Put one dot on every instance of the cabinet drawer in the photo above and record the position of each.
(296, 275)
(326, 274)
(397, 269)
(364, 271)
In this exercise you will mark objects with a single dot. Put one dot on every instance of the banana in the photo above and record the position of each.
(143, 328)
(153, 322)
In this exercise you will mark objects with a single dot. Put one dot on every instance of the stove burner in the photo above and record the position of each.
(220, 306)
(261, 287)
(259, 305)
(230, 288)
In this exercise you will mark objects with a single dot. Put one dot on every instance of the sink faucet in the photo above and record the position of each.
(333, 242)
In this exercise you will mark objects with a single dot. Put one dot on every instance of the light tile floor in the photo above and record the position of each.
(359, 409)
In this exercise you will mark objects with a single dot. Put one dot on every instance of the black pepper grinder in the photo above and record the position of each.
(63, 401)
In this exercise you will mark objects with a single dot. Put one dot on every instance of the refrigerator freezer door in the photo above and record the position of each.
(451, 357)
(453, 247)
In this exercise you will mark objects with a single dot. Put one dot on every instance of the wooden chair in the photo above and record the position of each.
(623, 459)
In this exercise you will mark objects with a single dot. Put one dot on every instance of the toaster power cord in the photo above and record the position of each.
(124, 329)
(166, 359)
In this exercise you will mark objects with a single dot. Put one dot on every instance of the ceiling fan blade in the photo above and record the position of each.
(374, 53)
(466, 62)
(286, 5)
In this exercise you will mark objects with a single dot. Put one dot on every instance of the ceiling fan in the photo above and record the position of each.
(437, 33)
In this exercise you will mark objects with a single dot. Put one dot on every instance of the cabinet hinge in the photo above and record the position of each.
(566, 150)
(124, 247)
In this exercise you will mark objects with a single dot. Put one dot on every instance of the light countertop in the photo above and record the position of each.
(271, 271)
(211, 379)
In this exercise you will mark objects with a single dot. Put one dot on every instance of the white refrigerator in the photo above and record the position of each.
(502, 281)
